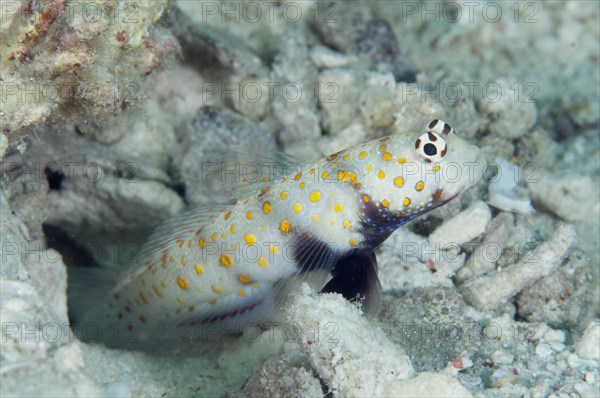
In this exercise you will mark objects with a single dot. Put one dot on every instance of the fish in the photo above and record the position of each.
(229, 266)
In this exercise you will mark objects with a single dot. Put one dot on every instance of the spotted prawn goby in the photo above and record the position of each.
(225, 267)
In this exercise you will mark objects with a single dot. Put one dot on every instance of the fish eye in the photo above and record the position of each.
(431, 147)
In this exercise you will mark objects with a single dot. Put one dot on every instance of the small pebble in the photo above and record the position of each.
(556, 346)
(324, 57)
(502, 357)
(589, 345)
(464, 227)
(543, 350)
(554, 336)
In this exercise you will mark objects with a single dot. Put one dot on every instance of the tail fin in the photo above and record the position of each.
(87, 291)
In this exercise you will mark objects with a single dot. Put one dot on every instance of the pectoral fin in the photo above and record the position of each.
(355, 278)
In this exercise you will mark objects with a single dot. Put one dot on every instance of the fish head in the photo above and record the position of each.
(423, 170)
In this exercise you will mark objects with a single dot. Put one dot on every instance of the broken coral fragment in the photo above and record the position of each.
(501, 189)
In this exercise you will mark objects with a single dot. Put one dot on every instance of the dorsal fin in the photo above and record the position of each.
(244, 172)
(173, 231)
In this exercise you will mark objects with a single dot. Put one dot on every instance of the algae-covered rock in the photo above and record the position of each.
(353, 29)
(295, 102)
(88, 190)
(71, 61)
(377, 101)
(565, 298)
(37, 343)
(567, 196)
(205, 143)
(589, 345)
(334, 84)
(338, 341)
(506, 117)
(277, 378)
(414, 109)
(431, 326)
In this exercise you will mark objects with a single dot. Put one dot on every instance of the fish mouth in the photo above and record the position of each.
(455, 195)
(439, 201)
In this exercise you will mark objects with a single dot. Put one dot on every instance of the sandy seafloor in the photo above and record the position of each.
(110, 109)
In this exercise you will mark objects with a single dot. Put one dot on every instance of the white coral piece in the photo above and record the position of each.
(501, 194)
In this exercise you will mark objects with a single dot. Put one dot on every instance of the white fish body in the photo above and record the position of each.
(222, 267)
